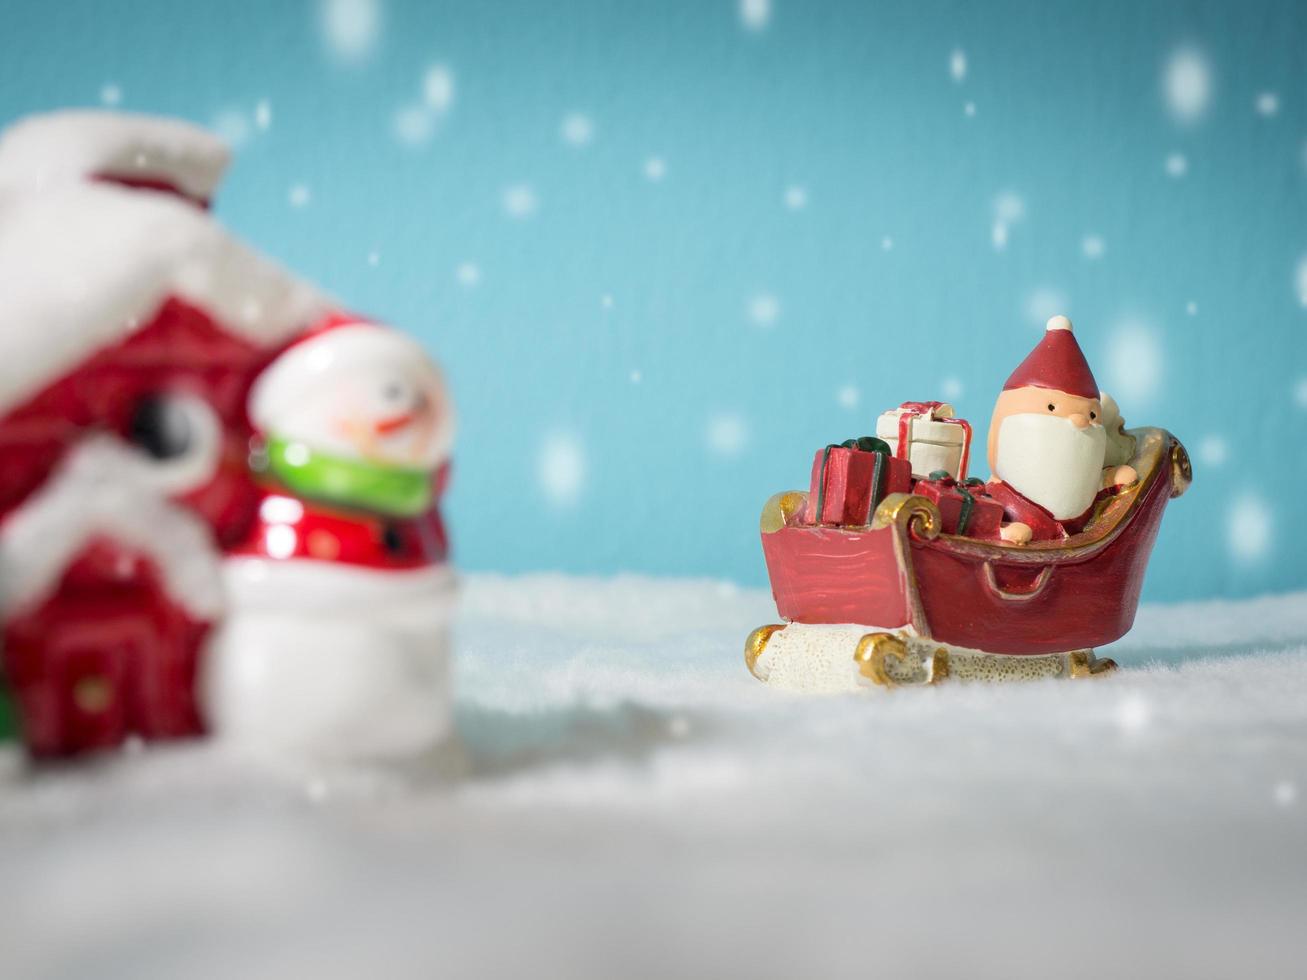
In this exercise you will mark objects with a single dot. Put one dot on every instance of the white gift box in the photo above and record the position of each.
(935, 439)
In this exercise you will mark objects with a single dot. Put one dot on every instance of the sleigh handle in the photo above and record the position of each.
(1024, 595)
(911, 519)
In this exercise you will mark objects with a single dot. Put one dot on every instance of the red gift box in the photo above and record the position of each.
(966, 508)
(848, 482)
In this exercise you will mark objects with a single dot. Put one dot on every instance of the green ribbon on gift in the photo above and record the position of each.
(866, 444)
(968, 501)
(391, 490)
(879, 472)
(8, 717)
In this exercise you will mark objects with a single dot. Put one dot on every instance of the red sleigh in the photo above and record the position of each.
(959, 600)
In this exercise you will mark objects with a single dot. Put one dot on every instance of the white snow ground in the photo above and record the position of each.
(634, 804)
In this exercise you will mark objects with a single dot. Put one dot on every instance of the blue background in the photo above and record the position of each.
(615, 321)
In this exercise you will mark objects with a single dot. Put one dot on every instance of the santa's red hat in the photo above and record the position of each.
(1057, 363)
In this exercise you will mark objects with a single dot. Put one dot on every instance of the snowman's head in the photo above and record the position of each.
(359, 391)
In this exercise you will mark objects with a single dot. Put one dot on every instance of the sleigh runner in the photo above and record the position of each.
(898, 601)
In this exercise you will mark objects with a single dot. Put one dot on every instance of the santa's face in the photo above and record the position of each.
(1049, 446)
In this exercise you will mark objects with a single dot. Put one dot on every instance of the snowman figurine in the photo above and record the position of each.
(335, 644)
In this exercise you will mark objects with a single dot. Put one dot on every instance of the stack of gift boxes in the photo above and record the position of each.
(919, 448)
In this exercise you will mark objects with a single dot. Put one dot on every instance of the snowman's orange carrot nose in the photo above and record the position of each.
(393, 423)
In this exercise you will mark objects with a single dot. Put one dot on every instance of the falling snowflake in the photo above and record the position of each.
(1009, 208)
(755, 14)
(848, 396)
(1187, 84)
(969, 109)
(520, 201)
(1213, 451)
(1134, 362)
(1249, 530)
(636, 377)
(1191, 308)
(886, 243)
(1300, 392)
(1177, 165)
(263, 115)
(1044, 302)
(1284, 793)
(1267, 104)
(796, 197)
(577, 129)
(560, 468)
(232, 127)
(1093, 247)
(1301, 281)
(350, 27)
(438, 88)
(468, 274)
(957, 64)
(413, 125)
(655, 169)
(726, 434)
(764, 309)
(374, 258)
(606, 301)
(299, 195)
(951, 389)
(110, 94)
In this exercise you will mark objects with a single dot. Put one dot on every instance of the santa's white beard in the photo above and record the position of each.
(1045, 458)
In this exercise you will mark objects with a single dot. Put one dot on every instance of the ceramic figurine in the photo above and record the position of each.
(336, 639)
(1017, 578)
(132, 329)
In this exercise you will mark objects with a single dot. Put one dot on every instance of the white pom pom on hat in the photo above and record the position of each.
(1058, 322)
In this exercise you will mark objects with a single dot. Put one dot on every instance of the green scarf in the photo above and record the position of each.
(390, 490)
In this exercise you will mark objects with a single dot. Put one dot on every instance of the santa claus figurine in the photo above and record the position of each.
(1048, 446)
(335, 643)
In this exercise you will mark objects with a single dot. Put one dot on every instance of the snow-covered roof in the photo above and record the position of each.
(83, 265)
(77, 144)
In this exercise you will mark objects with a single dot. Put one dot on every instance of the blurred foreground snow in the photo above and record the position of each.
(633, 803)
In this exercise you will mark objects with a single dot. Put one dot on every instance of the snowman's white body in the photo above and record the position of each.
(332, 660)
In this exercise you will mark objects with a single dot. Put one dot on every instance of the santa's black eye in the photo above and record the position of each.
(1051, 408)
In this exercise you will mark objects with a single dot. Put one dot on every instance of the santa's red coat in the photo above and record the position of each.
(1043, 525)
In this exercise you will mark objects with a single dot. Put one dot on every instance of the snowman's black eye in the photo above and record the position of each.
(1093, 415)
(393, 391)
(1051, 407)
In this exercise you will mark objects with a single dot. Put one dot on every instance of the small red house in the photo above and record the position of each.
(131, 328)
